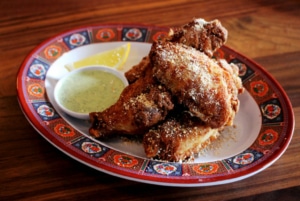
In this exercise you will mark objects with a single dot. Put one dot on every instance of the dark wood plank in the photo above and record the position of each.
(32, 169)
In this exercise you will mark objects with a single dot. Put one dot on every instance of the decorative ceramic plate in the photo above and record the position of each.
(262, 132)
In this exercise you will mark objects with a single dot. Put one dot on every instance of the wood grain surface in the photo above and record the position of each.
(32, 169)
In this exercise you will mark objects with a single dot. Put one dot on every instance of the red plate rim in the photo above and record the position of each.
(152, 178)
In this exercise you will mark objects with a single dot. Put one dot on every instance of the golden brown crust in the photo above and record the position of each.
(204, 36)
(178, 139)
(197, 81)
(140, 106)
(138, 70)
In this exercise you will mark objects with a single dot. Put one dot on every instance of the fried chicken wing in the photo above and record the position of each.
(197, 81)
(204, 36)
(140, 106)
(178, 138)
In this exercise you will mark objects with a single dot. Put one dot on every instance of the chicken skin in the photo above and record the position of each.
(197, 81)
(204, 36)
(178, 138)
(138, 70)
(140, 106)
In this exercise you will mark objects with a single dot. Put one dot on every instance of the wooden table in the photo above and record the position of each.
(32, 169)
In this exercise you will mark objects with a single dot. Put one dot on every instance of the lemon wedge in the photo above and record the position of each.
(114, 58)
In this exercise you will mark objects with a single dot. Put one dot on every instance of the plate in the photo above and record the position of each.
(263, 126)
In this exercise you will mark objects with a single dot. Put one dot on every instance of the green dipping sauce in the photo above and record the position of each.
(90, 91)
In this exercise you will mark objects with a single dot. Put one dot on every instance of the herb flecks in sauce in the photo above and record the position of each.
(90, 91)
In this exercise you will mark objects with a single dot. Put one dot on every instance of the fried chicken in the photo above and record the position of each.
(178, 138)
(204, 36)
(140, 106)
(178, 72)
(197, 81)
(138, 70)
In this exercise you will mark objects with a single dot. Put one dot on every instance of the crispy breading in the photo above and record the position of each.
(178, 138)
(140, 106)
(197, 81)
(204, 36)
(138, 70)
